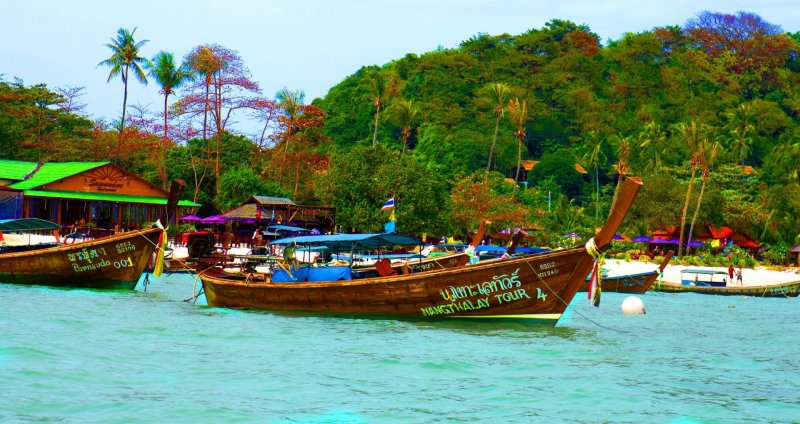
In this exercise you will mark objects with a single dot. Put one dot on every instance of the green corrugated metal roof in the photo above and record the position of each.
(16, 169)
(106, 197)
(54, 171)
(26, 224)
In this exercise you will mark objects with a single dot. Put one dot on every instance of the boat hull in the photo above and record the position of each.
(791, 289)
(114, 262)
(637, 284)
(535, 288)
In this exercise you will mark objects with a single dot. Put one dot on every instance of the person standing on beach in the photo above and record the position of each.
(730, 273)
(739, 276)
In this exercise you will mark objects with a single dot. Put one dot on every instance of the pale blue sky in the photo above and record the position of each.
(303, 45)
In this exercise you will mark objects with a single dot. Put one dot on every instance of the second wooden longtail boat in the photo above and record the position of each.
(638, 283)
(113, 262)
(530, 288)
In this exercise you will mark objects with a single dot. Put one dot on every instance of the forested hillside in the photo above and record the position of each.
(705, 113)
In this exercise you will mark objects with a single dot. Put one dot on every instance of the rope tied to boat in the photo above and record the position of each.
(595, 278)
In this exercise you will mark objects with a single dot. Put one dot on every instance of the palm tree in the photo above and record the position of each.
(124, 58)
(787, 154)
(169, 77)
(497, 92)
(403, 114)
(709, 150)
(693, 136)
(379, 85)
(623, 144)
(292, 104)
(741, 127)
(518, 112)
(594, 156)
(654, 137)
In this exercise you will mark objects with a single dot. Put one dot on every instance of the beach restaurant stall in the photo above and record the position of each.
(266, 211)
(98, 195)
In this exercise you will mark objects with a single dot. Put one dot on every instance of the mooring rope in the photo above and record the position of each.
(590, 247)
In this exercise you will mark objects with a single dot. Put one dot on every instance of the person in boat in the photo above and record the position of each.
(288, 256)
(256, 242)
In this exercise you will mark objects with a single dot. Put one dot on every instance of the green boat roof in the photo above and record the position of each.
(55, 171)
(16, 169)
(106, 197)
(26, 224)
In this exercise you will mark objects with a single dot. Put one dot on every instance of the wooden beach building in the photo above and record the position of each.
(96, 194)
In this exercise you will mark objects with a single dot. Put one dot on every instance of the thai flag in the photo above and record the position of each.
(388, 205)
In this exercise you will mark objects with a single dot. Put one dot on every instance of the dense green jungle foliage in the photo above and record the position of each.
(706, 114)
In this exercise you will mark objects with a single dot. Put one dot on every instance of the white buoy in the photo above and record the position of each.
(633, 305)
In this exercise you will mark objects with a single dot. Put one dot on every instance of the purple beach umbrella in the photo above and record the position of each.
(190, 218)
(213, 220)
(642, 239)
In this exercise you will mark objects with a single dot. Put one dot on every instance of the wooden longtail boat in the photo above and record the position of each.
(532, 289)
(631, 283)
(789, 289)
(113, 262)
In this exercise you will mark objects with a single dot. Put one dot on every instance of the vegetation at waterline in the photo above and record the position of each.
(706, 113)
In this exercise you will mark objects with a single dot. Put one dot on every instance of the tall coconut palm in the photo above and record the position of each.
(497, 93)
(693, 135)
(379, 93)
(741, 128)
(403, 114)
(518, 113)
(655, 138)
(292, 104)
(787, 154)
(125, 58)
(623, 144)
(169, 77)
(709, 150)
(594, 156)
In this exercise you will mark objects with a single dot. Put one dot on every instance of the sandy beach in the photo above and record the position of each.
(672, 273)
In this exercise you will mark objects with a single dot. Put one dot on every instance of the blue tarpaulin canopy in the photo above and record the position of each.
(287, 228)
(26, 224)
(348, 241)
(642, 239)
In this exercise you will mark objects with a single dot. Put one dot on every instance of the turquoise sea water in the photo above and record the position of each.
(93, 356)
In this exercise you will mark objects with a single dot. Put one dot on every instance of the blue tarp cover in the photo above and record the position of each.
(327, 273)
(353, 241)
(287, 228)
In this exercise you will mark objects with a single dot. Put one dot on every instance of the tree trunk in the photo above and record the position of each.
(685, 210)
(519, 160)
(597, 192)
(164, 142)
(122, 123)
(696, 210)
(375, 133)
(218, 121)
(494, 140)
